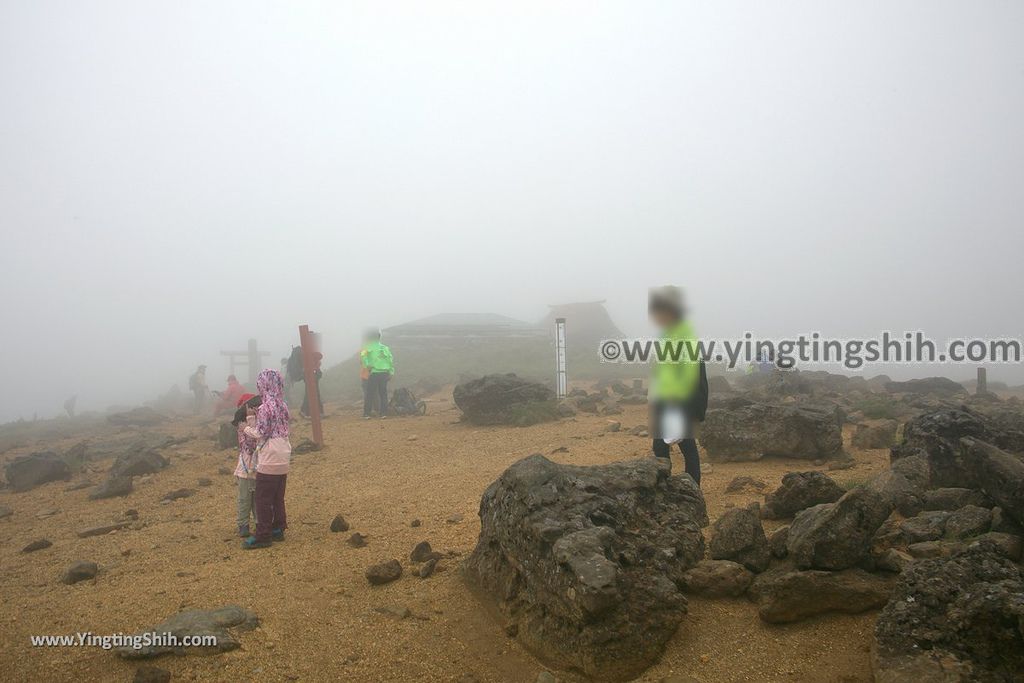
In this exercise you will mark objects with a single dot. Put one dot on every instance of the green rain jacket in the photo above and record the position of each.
(676, 380)
(377, 358)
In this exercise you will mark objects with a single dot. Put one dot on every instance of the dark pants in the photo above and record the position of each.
(376, 388)
(691, 457)
(270, 504)
(688, 447)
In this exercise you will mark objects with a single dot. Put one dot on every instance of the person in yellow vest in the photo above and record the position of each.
(376, 359)
(674, 379)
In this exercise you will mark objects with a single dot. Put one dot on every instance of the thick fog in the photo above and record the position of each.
(176, 177)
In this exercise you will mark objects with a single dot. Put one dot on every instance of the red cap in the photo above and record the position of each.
(244, 399)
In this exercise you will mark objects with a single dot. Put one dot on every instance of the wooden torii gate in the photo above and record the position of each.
(249, 358)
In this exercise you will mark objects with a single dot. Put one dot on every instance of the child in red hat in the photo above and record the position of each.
(245, 470)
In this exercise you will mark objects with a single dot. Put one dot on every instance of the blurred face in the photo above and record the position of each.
(662, 318)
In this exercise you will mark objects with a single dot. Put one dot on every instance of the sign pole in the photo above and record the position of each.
(560, 372)
(308, 343)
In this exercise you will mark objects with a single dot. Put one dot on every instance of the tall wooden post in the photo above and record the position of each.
(982, 387)
(308, 343)
(254, 362)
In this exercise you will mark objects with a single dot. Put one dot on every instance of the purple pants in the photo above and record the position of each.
(270, 504)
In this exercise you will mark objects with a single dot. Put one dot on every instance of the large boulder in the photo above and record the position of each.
(28, 471)
(756, 430)
(958, 618)
(505, 399)
(837, 535)
(717, 579)
(936, 436)
(136, 463)
(784, 595)
(738, 536)
(588, 562)
(998, 473)
(799, 491)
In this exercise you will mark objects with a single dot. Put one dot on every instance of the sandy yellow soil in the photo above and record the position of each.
(319, 617)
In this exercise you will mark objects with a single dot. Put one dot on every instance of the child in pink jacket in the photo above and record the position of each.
(270, 428)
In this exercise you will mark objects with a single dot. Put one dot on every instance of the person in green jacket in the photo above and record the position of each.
(674, 378)
(376, 359)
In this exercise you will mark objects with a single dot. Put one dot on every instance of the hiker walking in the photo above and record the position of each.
(678, 393)
(197, 384)
(376, 358)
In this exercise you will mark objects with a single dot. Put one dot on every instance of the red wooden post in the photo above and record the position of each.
(308, 343)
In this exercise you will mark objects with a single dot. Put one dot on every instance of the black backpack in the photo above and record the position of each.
(698, 404)
(294, 367)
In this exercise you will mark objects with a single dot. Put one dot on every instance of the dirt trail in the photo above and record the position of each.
(319, 618)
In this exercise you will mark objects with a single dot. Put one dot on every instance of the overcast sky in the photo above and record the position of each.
(176, 177)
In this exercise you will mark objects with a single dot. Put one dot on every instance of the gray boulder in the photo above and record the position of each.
(505, 399)
(586, 562)
(717, 579)
(837, 535)
(952, 498)
(756, 430)
(136, 463)
(880, 434)
(968, 521)
(799, 491)
(998, 473)
(958, 618)
(784, 596)
(738, 536)
(29, 471)
(112, 488)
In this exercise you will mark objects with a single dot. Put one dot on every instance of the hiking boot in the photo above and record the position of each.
(243, 531)
(252, 544)
(277, 534)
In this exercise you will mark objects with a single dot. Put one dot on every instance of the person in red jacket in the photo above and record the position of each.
(228, 399)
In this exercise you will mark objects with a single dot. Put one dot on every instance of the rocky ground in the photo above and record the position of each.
(321, 620)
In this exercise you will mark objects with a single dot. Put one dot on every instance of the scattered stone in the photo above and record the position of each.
(112, 488)
(138, 463)
(428, 568)
(79, 571)
(940, 386)
(131, 513)
(415, 523)
(385, 572)
(225, 471)
(5, 511)
(29, 471)
(588, 560)
(78, 485)
(454, 518)
(151, 674)
(837, 535)
(613, 427)
(338, 524)
(968, 521)
(193, 623)
(756, 430)
(739, 484)
(717, 579)
(357, 540)
(843, 464)
(203, 481)
(102, 530)
(881, 434)
(785, 596)
(998, 473)
(953, 619)
(423, 552)
(412, 437)
(777, 542)
(927, 526)
(931, 549)
(799, 491)
(41, 544)
(305, 446)
(738, 536)
(179, 493)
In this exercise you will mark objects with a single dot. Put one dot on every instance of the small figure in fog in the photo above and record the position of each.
(376, 359)
(197, 385)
